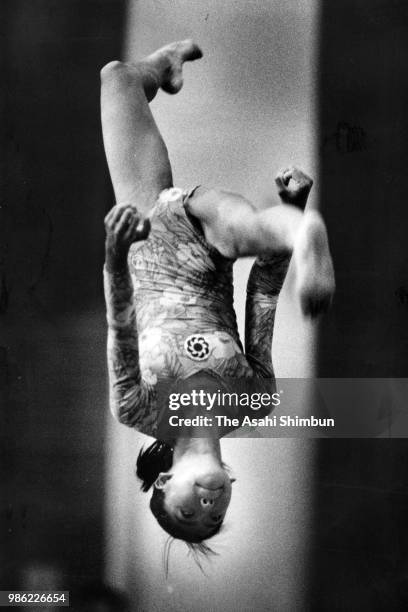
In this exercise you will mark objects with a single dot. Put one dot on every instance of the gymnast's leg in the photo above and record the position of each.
(137, 156)
(237, 229)
(267, 277)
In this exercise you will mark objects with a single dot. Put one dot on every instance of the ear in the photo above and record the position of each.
(161, 480)
(232, 480)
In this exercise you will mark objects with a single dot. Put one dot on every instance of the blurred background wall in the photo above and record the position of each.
(246, 110)
(360, 554)
(329, 524)
(54, 193)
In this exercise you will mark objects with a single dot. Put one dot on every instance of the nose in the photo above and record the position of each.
(206, 502)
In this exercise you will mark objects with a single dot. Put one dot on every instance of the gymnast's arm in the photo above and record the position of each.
(130, 396)
(264, 285)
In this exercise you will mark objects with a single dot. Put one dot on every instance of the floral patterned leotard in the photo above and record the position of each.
(171, 314)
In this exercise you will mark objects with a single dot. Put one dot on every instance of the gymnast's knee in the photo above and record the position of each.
(116, 72)
(111, 69)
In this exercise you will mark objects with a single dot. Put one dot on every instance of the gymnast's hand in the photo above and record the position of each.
(293, 186)
(123, 225)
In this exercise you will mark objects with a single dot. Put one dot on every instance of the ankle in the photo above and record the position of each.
(150, 78)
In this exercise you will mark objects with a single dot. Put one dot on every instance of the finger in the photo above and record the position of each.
(111, 218)
(282, 175)
(280, 184)
(288, 174)
(143, 229)
(108, 217)
(123, 223)
(305, 178)
(115, 214)
(123, 220)
(138, 230)
(303, 186)
(302, 178)
(297, 174)
(128, 235)
(124, 210)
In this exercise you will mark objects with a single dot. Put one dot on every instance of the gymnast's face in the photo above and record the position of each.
(196, 496)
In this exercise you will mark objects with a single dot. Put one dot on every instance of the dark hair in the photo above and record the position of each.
(158, 457)
(196, 550)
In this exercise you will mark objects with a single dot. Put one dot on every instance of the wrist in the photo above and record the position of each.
(115, 263)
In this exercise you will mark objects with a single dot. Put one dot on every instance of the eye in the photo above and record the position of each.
(217, 518)
(186, 513)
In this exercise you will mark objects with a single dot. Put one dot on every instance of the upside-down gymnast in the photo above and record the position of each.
(169, 291)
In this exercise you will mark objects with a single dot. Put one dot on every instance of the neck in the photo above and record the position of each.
(188, 446)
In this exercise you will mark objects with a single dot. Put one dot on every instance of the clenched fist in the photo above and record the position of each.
(293, 186)
(123, 226)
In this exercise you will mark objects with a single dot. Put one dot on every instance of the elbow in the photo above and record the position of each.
(128, 401)
(117, 412)
(128, 407)
(121, 412)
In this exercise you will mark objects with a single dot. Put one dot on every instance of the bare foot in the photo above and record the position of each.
(293, 186)
(315, 282)
(167, 63)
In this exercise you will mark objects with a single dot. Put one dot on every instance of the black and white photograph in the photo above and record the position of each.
(204, 305)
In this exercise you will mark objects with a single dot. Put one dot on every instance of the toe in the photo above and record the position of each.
(191, 50)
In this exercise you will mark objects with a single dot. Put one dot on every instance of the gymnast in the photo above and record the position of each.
(169, 292)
